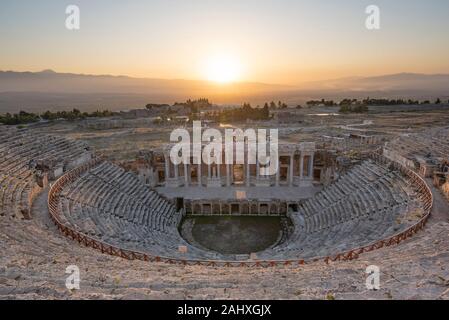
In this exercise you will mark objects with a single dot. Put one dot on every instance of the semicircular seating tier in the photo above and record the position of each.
(370, 202)
(115, 207)
(20, 152)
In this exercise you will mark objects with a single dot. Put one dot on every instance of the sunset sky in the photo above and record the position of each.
(285, 42)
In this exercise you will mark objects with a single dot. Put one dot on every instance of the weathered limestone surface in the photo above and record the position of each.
(27, 160)
(34, 255)
(370, 203)
(34, 258)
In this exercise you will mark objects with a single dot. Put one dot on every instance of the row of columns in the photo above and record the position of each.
(291, 168)
(214, 171)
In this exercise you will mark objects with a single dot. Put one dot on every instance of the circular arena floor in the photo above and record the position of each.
(235, 234)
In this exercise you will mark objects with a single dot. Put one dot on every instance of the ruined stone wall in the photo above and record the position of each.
(396, 157)
(82, 159)
(116, 123)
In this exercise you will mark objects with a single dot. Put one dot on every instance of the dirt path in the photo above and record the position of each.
(440, 210)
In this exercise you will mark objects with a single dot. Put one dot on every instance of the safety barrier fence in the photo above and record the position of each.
(425, 196)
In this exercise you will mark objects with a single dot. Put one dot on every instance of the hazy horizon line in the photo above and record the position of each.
(52, 70)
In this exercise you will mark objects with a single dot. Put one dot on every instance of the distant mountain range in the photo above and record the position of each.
(51, 81)
(37, 91)
(431, 83)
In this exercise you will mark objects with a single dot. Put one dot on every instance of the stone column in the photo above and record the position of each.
(167, 167)
(200, 180)
(176, 167)
(311, 166)
(257, 169)
(186, 174)
(301, 166)
(292, 159)
(228, 175)
(278, 171)
(248, 174)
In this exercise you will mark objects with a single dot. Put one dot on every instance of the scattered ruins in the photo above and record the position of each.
(340, 195)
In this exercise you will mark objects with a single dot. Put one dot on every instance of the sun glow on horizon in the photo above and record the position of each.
(222, 69)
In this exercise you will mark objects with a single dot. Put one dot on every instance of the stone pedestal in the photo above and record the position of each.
(173, 182)
(305, 183)
(214, 182)
(263, 181)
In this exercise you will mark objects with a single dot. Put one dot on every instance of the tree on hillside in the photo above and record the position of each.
(265, 112)
(353, 109)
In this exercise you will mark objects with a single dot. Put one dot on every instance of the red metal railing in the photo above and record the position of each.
(425, 196)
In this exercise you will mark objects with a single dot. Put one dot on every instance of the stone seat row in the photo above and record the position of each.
(344, 216)
(18, 148)
(91, 190)
(117, 231)
(116, 207)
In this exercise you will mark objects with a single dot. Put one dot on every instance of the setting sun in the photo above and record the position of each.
(222, 69)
